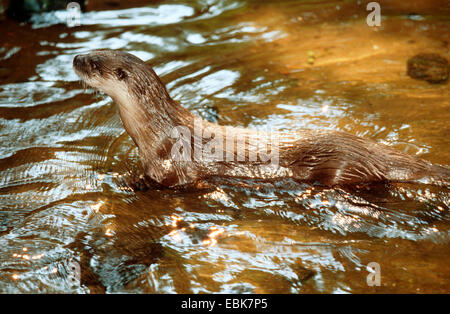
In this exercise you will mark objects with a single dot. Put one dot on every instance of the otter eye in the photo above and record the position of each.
(121, 74)
(95, 66)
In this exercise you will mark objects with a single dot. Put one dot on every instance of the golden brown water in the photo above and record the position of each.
(281, 65)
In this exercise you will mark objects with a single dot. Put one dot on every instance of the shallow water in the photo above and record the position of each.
(68, 222)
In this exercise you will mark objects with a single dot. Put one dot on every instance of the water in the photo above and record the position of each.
(68, 222)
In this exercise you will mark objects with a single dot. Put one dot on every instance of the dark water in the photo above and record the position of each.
(68, 222)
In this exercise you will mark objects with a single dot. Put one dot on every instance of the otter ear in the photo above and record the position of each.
(121, 74)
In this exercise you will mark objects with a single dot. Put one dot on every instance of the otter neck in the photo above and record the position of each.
(149, 118)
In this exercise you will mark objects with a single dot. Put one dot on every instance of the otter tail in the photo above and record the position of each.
(401, 167)
(439, 175)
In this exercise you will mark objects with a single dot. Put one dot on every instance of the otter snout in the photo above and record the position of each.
(77, 61)
(80, 61)
(80, 64)
(88, 64)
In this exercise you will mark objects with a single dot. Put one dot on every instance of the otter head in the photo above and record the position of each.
(120, 75)
(145, 107)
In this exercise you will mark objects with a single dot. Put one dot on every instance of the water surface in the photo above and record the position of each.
(65, 208)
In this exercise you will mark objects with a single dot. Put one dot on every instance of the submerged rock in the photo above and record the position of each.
(430, 67)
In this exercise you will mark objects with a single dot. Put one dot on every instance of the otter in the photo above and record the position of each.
(171, 140)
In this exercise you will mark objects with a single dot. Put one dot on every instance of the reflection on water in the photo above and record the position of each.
(68, 222)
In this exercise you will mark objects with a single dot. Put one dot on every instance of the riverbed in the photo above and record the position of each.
(69, 223)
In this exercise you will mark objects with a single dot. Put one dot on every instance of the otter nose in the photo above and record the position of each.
(79, 60)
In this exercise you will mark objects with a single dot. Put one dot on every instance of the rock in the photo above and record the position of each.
(430, 67)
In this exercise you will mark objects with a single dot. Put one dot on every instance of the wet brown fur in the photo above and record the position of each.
(149, 115)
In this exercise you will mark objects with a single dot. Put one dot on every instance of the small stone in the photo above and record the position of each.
(430, 67)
